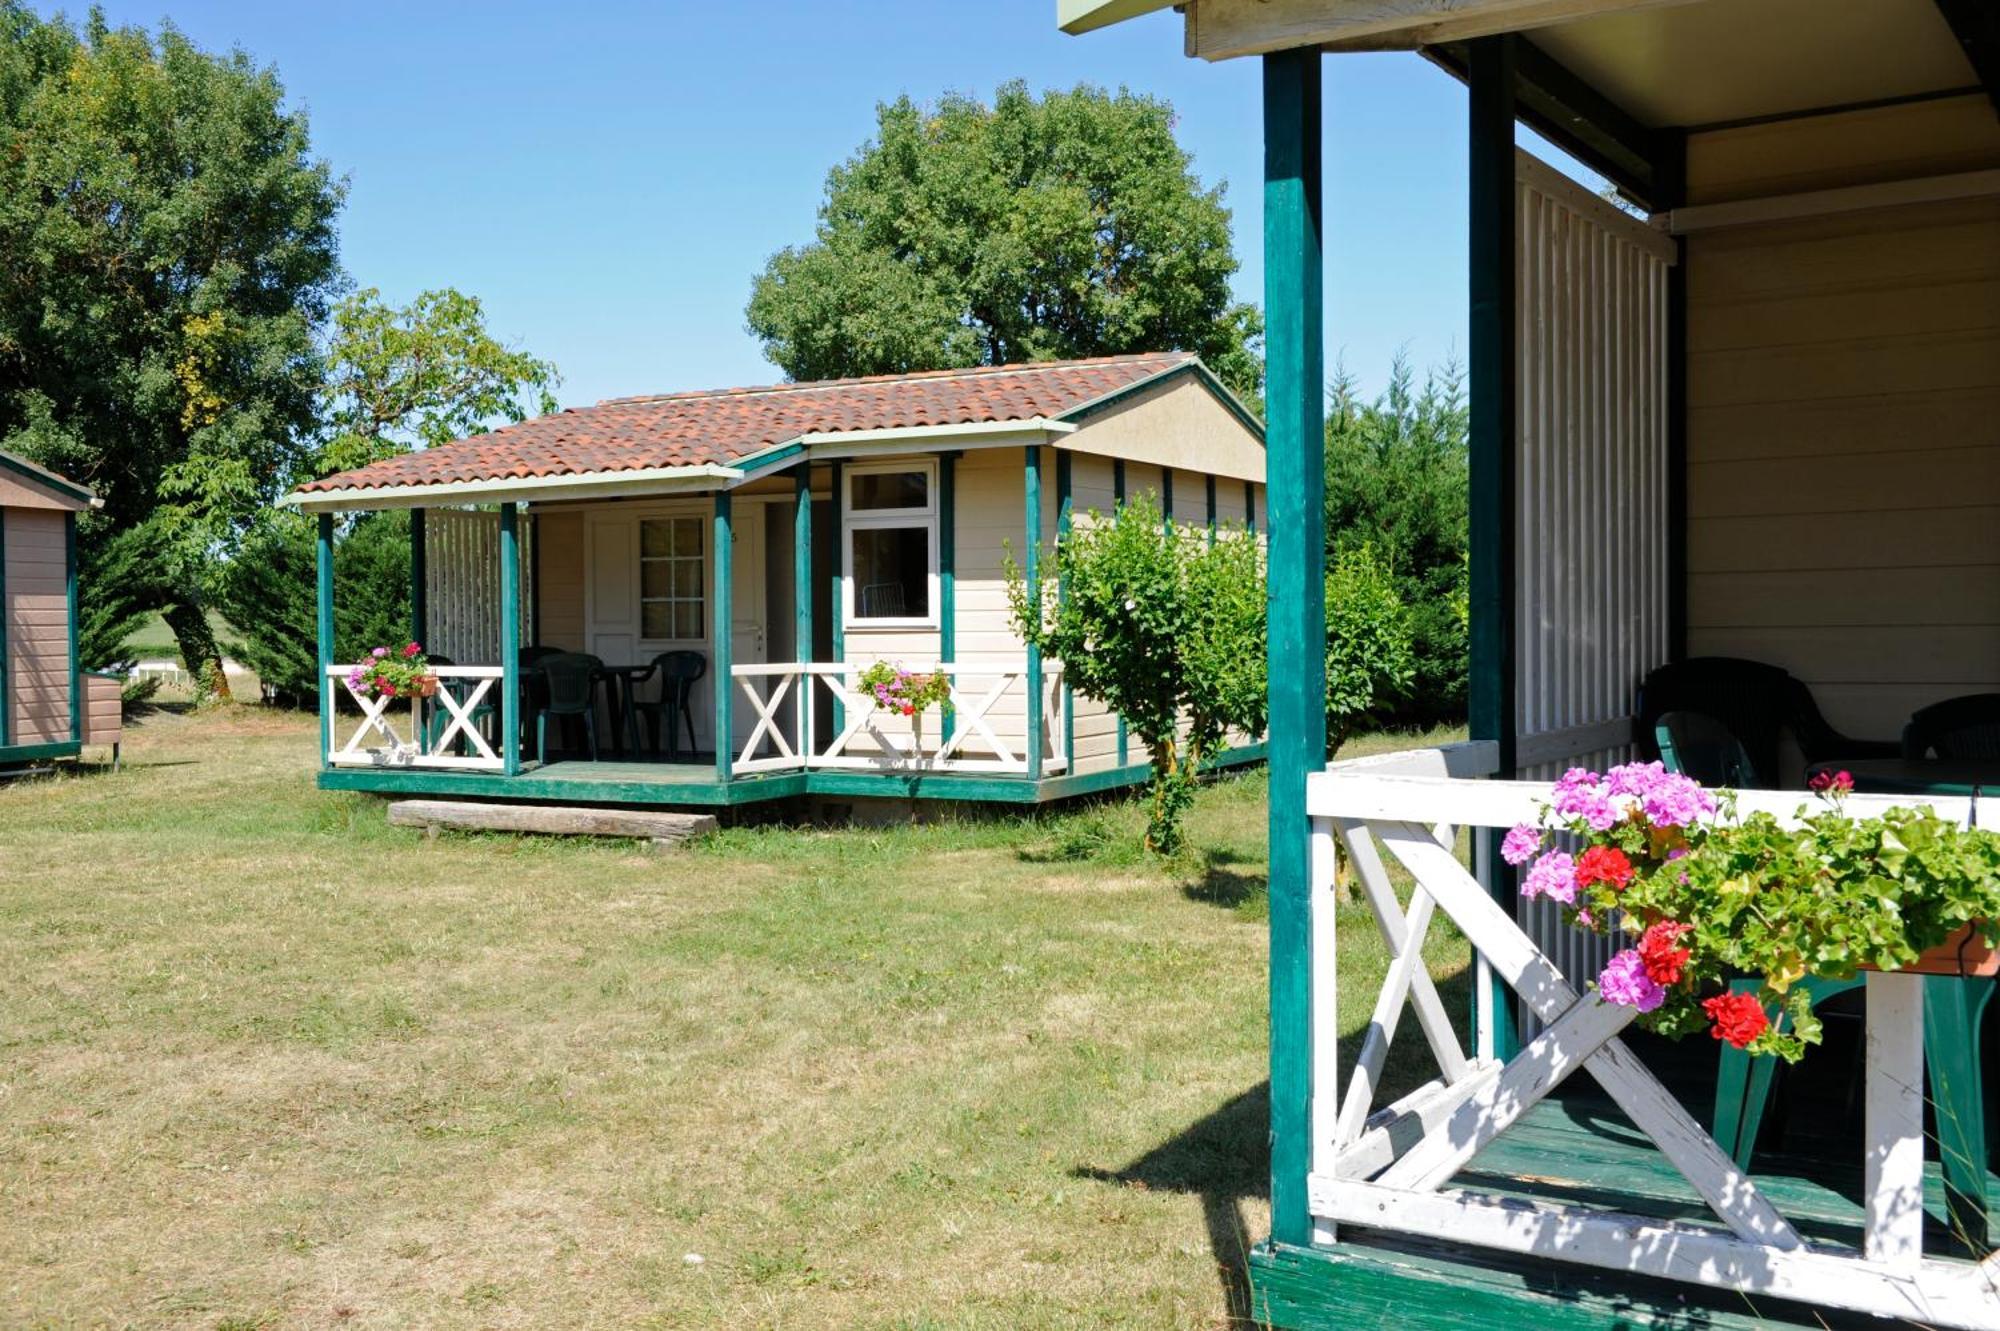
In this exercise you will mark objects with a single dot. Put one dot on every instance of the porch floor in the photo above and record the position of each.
(1578, 1150)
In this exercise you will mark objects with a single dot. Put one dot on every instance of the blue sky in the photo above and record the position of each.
(608, 177)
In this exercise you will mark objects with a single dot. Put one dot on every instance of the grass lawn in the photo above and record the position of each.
(266, 1062)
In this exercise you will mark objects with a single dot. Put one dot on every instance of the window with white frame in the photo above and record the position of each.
(889, 544)
(672, 579)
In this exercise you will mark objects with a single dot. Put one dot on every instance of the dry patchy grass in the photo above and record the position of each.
(266, 1062)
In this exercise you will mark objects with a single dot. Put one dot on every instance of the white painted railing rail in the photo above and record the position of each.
(1389, 1169)
(785, 699)
(405, 732)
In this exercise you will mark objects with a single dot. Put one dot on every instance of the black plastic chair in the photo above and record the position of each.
(1697, 745)
(1962, 728)
(678, 672)
(571, 678)
(1754, 702)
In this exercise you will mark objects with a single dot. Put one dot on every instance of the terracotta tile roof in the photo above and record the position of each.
(722, 426)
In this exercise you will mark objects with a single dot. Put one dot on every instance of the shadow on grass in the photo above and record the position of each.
(1216, 882)
(1224, 1158)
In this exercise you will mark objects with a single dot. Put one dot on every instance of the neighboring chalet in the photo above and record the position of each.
(49, 706)
(748, 552)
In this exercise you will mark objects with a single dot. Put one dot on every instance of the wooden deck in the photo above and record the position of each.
(697, 785)
(1578, 1150)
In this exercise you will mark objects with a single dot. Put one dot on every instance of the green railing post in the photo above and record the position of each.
(1490, 518)
(510, 639)
(1295, 370)
(325, 635)
(420, 596)
(948, 579)
(1031, 572)
(724, 626)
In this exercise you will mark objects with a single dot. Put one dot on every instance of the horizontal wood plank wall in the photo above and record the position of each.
(1844, 430)
(561, 572)
(1191, 499)
(37, 636)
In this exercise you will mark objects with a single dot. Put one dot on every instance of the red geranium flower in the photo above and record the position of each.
(1664, 961)
(1604, 864)
(1738, 1018)
(412, 650)
(1835, 783)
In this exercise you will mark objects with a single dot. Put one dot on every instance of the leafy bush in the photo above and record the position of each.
(1163, 627)
(269, 592)
(1370, 658)
(1397, 481)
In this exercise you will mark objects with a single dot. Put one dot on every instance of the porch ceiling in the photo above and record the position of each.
(1719, 61)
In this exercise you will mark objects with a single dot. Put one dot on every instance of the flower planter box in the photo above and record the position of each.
(1965, 953)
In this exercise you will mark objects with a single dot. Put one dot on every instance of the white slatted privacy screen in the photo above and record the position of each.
(462, 583)
(1591, 561)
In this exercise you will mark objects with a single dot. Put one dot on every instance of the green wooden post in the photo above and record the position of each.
(724, 625)
(510, 639)
(1064, 518)
(325, 592)
(837, 601)
(6, 670)
(1295, 370)
(1211, 510)
(948, 577)
(802, 564)
(1118, 502)
(75, 665)
(420, 599)
(1491, 78)
(1250, 505)
(1167, 497)
(1031, 573)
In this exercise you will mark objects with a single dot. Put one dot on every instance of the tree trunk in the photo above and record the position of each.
(189, 623)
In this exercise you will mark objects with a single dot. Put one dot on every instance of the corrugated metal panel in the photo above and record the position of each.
(462, 583)
(1591, 561)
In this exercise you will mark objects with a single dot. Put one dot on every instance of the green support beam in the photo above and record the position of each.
(324, 557)
(1211, 510)
(1167, 497)
(1117, 502)
(724, 623)
(1491, 373)
(510, 639)
(1250, 505)
(1031, 572)
(75, 665)
(836, 600)
(420, 599)
(948, 577)
(1295, 368)
(1065, 517)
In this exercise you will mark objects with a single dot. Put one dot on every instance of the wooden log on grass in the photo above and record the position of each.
(662, 829)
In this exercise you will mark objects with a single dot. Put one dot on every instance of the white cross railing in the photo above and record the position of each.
(374, 740)
(1389, 1169)
(870, 738)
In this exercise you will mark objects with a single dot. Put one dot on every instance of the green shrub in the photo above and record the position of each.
(1163, 626)
(1370, 657)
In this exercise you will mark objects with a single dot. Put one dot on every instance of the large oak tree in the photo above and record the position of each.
(167, 254)
(1035, 228)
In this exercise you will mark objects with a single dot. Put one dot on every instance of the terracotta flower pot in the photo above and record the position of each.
(1965, 953)
(426, 687)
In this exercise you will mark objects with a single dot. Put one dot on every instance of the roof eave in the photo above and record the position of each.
(518, 489)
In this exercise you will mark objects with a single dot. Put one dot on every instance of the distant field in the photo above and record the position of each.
(269, 1063)
(155, 641)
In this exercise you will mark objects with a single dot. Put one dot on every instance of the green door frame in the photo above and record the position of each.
(1294, 451)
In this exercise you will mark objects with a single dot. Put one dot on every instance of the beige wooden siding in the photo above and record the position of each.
(104, 710)
(1905, 142)
(1180, 424)
(1844, 451)
(561, 572)
(19, 491)
(37, 627)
